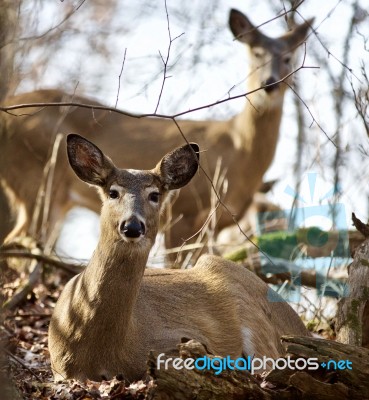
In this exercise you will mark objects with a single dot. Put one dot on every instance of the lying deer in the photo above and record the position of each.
(109, 316)
(246, 143)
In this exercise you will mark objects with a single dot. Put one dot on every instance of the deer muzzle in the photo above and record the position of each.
(273, 85)
(132, 229)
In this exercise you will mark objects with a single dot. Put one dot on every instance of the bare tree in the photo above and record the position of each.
(8, 33)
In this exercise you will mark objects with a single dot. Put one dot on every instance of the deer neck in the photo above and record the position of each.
(112, 282)
(256, 128)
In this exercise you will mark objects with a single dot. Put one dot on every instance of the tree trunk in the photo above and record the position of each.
(352, 315)
(7, 224)
(8, 27)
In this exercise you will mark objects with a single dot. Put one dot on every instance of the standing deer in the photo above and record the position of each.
(112, 314)
(246, 143)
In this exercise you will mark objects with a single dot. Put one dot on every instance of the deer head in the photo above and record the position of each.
(131, 199)
(271, 60)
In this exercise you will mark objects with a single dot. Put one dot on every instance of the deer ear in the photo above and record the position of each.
(298, 34)
(179, 166)
(242, 28)
(88, 161)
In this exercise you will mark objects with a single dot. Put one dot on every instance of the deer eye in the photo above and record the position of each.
(113, 194)
(287, 59)
(154, 197)
(258, 53)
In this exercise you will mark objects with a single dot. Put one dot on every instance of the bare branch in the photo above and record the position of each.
(57, 26)
(362, 99)
(22, 292)
(70, 268)
(220, 202)
(314, 121)
(93, 107)
(166, 61)
(120, 77)
(329, 53)
(22, 364)
(283, 14)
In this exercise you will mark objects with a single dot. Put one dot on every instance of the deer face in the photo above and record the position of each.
(271, 60)
(270, 64)
(132, 203)
(132, 199)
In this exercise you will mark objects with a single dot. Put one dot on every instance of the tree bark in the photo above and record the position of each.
(352, 323)
(8, 26)
(323, 383)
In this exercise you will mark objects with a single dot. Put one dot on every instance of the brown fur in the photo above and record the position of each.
(109, 316)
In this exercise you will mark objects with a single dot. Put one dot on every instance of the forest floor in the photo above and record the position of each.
(24, 338)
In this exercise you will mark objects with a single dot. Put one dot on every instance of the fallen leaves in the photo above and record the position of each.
(23, 336)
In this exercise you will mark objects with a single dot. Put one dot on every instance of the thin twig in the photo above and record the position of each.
(19, 361)
(71, 268)
(120, 77)
(361, 99)
(220, 202)
(329, 53)
(306, 106)
(28, 315)
(284, 13)
(43, 198)
(166, 61)
(22, 293)
(56, 27)
(49, 183)
(93, 107)
(312, 116)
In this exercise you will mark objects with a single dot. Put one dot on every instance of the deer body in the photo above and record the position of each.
(246, 143)
(109, 316)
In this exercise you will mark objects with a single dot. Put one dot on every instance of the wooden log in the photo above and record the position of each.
(277, 271)
(284, 243)
(329, 382)
(185, 384)
(323, 383)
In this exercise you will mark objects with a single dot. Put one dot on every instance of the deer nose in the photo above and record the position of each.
(133, 228)
(270, 81)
